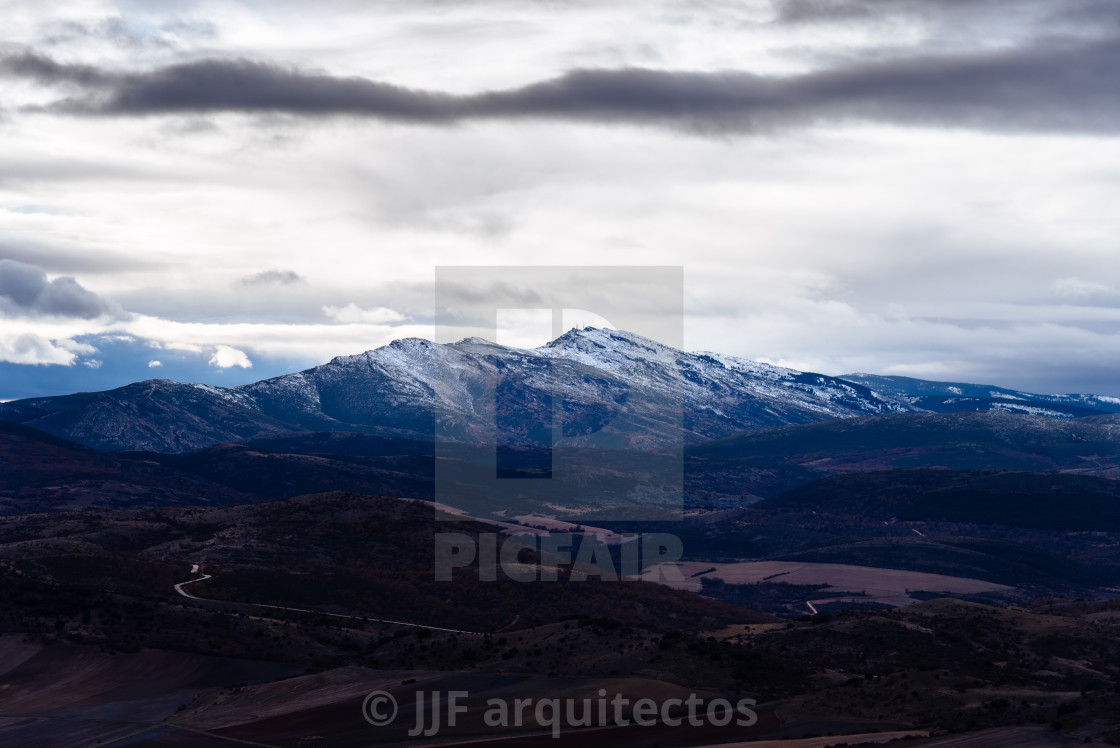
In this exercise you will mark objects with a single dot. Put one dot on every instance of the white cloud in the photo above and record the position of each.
(1076, 287)
(835, 248)
(93, 363)
(354, 314)
(523, 328)
(170, 345)
(225, 357)
(29, 348)
(154, 364)
(310, 343)
(75, 346)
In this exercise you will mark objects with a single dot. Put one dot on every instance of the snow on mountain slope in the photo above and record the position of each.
(617, 389)
(719, 394)
(614, 389)
(157, 415)
(924, 396)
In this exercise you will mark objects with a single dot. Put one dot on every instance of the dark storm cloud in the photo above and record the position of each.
(845, 10)
(1090, 13)
(114, 30)
(25, 291)
(45, 70)
(1065, 86)
(208, 86)
(274, 277)
(119, 32)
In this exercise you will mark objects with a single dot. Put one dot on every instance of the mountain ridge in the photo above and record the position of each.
(618, 389)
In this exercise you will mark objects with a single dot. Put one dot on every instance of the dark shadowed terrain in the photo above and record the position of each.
(184, 565)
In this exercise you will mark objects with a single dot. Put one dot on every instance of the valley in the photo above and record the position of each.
(183, 565)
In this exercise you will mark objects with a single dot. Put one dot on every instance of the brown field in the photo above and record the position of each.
(526, 524)
(1001, 737)
(863, 738)
(72, 695)
(859, 583)
(558, 525)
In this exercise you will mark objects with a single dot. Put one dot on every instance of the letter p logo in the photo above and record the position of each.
(548, 402)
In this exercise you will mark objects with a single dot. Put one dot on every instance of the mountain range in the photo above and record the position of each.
(823, 518)
(611, 388)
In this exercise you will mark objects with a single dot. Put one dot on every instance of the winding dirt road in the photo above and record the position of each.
(196, 570)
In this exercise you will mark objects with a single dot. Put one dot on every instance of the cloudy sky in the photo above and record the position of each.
(224, 191)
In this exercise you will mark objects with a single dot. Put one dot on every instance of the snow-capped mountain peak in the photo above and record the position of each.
(612, 384)
(613, 350)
